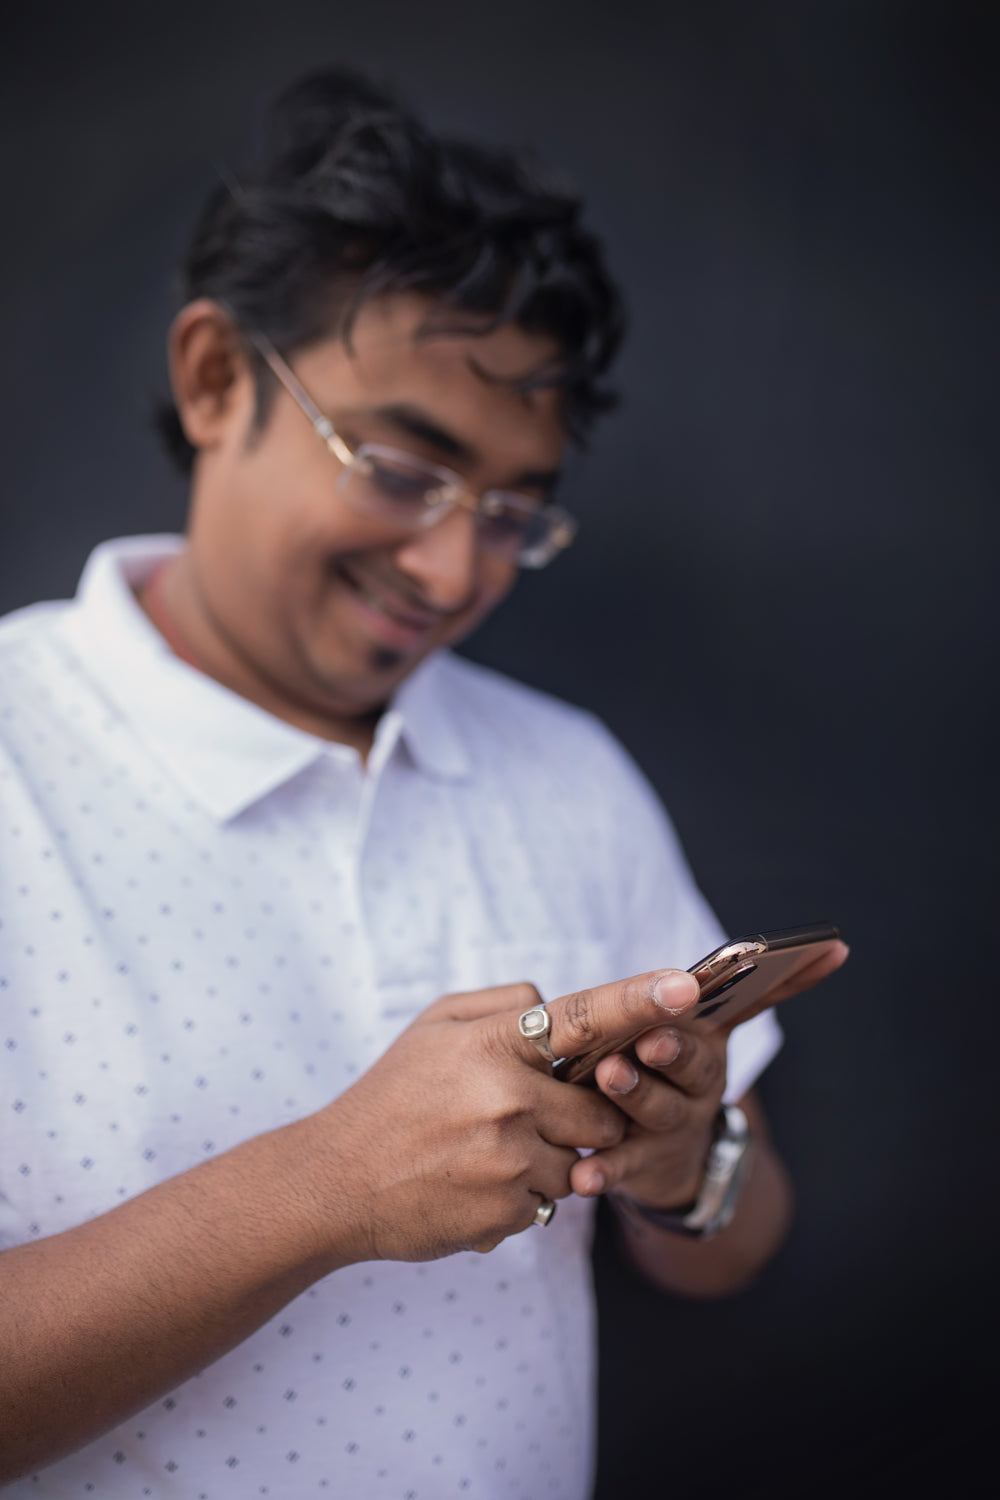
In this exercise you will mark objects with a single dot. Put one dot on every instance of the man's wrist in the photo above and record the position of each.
(715, 1204)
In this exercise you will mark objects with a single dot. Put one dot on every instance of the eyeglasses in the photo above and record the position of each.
(404, 491)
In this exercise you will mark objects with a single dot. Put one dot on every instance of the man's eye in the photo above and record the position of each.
(396, 483)
(506, 523)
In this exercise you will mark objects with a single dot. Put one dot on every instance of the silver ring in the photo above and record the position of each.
(536, 1025)
(545, 1212)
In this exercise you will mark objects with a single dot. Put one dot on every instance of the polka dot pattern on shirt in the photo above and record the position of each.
(210, 925)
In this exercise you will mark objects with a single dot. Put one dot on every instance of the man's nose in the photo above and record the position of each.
(443, 560)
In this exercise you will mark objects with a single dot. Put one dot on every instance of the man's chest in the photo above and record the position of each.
(171, 986)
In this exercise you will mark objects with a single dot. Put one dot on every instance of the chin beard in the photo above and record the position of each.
(384, 659)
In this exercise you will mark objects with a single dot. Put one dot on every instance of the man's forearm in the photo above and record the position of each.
(99, 1321)
(731, 1259)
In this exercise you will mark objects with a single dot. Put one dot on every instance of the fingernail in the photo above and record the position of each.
(675, 990)
(665, 1049)
(595, 1185)
(624, 1078)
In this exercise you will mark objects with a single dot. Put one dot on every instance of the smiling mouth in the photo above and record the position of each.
(401, 619)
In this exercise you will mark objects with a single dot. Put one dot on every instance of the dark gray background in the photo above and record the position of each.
(779, 598)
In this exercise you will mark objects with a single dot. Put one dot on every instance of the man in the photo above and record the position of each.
(276, 1219)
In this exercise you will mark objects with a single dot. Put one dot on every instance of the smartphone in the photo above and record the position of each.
(735, 977)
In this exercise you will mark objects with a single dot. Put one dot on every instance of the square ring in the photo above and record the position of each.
(536, 1024)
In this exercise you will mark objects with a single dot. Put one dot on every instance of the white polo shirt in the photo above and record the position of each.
(210, 924)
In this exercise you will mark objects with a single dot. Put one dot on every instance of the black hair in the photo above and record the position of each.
(352, 196)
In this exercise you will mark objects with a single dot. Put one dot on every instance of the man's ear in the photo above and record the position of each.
(209, 375)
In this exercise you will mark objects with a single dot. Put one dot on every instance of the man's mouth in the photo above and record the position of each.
(395, 621)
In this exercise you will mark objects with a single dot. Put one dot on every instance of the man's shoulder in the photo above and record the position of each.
(28, 641)
(25, 627)
(506, 722)
(32, 669)
(482, 695)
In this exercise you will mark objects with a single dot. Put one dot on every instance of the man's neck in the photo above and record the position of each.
(171, 604)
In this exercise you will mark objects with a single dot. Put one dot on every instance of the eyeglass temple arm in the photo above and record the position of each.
(299, 394)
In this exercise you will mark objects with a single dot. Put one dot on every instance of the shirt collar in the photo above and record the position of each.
(224, 751)
(425, 704)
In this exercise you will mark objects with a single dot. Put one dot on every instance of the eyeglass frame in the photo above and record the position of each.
(454, 490)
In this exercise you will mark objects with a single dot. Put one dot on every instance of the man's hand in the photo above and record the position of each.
(454, 1136)
(671, 1099)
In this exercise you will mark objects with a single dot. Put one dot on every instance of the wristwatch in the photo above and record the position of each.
(725, 1173)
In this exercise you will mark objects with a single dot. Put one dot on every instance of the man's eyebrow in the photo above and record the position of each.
(416, 423)
(412, 421)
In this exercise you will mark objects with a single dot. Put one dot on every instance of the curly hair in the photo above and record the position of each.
(352, 196)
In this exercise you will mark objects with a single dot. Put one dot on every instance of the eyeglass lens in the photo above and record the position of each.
(389, 487)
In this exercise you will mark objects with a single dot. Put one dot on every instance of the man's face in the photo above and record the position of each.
(331, 608)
